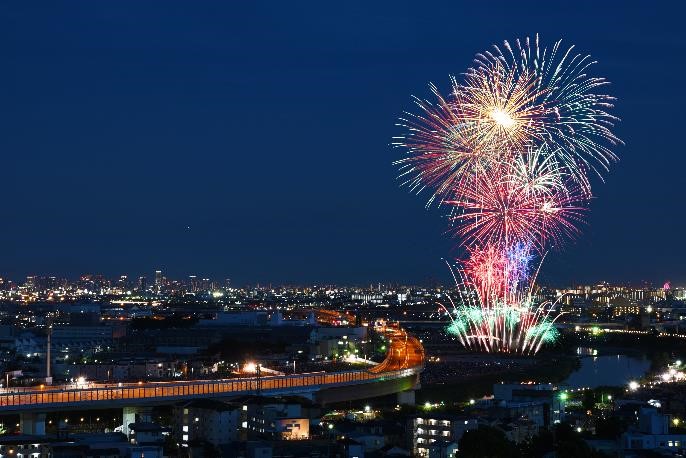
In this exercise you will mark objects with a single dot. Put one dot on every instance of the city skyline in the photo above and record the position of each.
(182, 184)
(357, 229)
(158, 277)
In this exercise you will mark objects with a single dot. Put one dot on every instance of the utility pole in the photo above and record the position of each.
(48, 359)
(259, 381)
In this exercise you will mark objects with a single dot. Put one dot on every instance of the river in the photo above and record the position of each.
(606, 370)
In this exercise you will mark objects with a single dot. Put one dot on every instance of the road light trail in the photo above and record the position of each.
(405, 357)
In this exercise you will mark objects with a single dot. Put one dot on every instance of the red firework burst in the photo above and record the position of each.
(498, 274)
(498, 207)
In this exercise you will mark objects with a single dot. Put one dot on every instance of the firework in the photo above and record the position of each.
(501, 107)
(570, 114)
(506, 329)
(442, 154)
(496, 310)
(498, 275)
(513, 99)
(502, 207)
(508, 152)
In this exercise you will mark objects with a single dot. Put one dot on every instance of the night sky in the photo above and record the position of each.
(251, 140)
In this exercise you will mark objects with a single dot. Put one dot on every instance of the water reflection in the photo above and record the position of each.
(614, 370)
(586, 351)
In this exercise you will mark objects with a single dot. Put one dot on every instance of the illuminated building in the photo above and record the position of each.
(429, 428)
(652, 433)
(203, 419)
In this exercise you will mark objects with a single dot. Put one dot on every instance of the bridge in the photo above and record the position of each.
(397, 373)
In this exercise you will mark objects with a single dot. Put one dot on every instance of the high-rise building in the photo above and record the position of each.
(158, 279)
(142, 283)
(193, 283)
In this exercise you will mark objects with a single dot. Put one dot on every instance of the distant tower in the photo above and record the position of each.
(158, 279)
(142, 283)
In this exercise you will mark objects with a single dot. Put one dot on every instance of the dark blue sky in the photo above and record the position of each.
(250, 140)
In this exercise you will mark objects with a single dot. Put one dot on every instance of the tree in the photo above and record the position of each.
(659, 361)
(538, 445)
(588, 401)
(575, 448)
(570, 444)
(486, 442)
(609, 428)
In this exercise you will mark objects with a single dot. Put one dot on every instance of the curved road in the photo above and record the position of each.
(405, 358)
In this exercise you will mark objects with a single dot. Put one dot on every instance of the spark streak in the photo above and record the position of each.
(508, 152)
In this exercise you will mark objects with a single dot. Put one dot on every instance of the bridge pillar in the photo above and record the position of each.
(133, 415)
(406, 398)
(307, 395)
(32, 423)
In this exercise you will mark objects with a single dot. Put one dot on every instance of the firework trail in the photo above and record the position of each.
(508, 152)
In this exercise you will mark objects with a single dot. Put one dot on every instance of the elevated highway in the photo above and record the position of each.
(399, 372)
